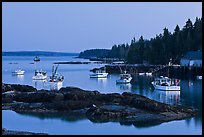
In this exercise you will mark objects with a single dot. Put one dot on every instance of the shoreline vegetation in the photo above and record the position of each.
(159, 50)
(126, 108)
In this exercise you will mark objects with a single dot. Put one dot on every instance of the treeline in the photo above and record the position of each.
(163, 47)
(158, 50)
(99, 53)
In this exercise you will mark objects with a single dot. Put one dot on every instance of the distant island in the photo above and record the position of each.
(37, 53)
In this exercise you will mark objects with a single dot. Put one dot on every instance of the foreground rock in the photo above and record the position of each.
(126, 108)
(11, 132)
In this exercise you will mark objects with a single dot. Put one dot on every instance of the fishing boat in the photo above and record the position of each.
(55, 77)
(145, 73)
(199, 77)
(40, 75)
(36, 59)
(18, 72)
(99, 74)
(148, 74)
(165, 83)
(141, 73)
(124, 78)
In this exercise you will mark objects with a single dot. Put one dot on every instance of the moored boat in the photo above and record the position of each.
(55, 77)
(148, 73)
(165, 83)
(99, 74)
(124, 78)
(18, 72)
(36, 59)
(40, 75)
(199, 77)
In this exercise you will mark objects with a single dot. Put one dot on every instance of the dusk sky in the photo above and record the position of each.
(74, 27)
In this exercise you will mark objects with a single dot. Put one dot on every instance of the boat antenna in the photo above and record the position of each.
(169, 65)
(120, 68)
(52, 69)
(56, 69)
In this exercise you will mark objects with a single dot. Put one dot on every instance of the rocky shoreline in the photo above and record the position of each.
(71, 62)
(125, 108)
(11, 132)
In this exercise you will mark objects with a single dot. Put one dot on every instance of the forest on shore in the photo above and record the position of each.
(157, 50)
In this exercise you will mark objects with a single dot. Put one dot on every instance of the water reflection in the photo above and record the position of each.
(39, 84)
(191, 93)
(73, 116)
(100, 81)
(76, 116)
(124, 86)
(20, 78)
(54, 85)
(44, 84)
(168, 97)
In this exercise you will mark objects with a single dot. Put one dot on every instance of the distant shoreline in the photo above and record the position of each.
(37, 53)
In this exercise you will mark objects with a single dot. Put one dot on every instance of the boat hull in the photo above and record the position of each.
(123, 81)
(166, 88)
(101, 75)
(199, 77)
(39, 77)
(148, 74)
(18, 73)
(55, 85)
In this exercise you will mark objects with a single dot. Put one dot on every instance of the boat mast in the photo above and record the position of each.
(36, 59)
(52, 69)
(120, 69)
(169, 66)
(56, 69)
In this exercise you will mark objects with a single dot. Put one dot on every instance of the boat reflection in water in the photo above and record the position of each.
(55, 85)
(20, 78)
(40, 84)
(124, 86)
(168, 97)
(101, 80)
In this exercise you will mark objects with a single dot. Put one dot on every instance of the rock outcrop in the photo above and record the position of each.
(11, 132)
(126, 108)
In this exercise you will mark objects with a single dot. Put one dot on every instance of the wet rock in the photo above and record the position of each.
(131, 116)
(6, 87)
(124, 108)
(17, 87)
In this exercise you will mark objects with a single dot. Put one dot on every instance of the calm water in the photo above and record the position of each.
(78, 75)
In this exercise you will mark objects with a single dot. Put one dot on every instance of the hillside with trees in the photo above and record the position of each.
(157, 50)
(99, 53)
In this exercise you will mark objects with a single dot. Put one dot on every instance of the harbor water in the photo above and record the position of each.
(78, 75)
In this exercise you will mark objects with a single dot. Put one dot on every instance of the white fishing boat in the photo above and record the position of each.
(18, 72)
(145, 73)
(165, 83)
(141, 73)
(199, 77)
(40, 75)
(148, 74)
(55, 77)
(124, 78)
(99, 74)
(36, 59)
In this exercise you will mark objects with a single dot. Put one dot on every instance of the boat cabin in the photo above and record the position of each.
(165, 81)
